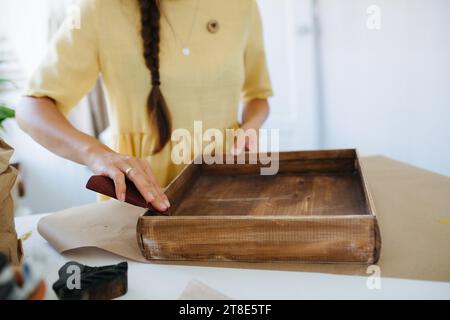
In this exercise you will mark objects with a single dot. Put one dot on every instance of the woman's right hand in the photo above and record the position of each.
(118, 167)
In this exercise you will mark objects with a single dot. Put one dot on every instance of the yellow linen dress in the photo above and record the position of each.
(222, 69)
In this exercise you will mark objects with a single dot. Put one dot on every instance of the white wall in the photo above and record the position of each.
(388, 91)
(27, 21)
(384, 91)
(289, 48)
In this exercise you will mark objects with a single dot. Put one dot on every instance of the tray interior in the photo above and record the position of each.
(302, 187)
(283, 194)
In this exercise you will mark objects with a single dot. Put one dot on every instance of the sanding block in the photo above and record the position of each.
(105, 186)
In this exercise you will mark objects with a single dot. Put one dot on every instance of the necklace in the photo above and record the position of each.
(185, 50)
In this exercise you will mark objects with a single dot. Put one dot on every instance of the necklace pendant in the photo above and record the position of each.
(186, 52)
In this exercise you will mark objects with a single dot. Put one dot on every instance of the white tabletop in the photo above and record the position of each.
(159, 281)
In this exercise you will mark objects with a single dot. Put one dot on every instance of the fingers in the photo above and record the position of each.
(119, 167)
(149, 173)
(238, 147)
(119, 182)
(148, 189)
(246, 140)
(252, 144)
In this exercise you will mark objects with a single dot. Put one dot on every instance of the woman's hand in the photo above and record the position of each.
(254, 115)
(119, 167)
(247, 139)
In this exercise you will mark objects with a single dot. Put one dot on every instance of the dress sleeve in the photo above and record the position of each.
(70, 67)
(257, 81)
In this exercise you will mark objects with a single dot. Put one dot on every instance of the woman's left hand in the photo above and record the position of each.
(254, 114)
(247, 139)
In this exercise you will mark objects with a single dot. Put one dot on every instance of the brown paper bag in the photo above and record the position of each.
(9, 244)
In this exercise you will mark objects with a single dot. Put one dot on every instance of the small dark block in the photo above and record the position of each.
(80, 282)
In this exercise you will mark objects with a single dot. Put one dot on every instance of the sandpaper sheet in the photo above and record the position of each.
(412, 205)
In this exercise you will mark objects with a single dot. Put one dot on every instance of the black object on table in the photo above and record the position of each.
(80, 282)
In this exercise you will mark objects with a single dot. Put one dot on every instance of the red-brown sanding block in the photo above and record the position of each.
(105, 186)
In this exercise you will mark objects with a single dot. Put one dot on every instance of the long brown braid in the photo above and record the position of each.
(156, 104)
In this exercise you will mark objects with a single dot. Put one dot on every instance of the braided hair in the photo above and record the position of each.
(157, 107)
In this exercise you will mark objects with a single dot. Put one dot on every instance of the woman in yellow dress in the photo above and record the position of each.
(165, 64)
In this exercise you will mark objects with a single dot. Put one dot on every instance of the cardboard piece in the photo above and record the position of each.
(9, 244)
(413, 208)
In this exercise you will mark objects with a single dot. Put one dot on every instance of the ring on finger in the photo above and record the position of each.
(128, 171)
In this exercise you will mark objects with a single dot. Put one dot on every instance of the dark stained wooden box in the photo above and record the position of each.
(317, 209)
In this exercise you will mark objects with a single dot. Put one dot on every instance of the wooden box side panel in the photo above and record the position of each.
(289, 162)
(181, 184)
(367, 195)
(369, 202)
(306, 239)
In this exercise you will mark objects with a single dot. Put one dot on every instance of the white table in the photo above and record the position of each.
(158, 281)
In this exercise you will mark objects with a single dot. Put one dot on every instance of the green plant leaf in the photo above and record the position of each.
(5, 113)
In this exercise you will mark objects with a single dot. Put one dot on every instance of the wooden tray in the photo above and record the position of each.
(316, 209)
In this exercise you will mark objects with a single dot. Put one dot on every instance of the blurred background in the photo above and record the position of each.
(366, 74)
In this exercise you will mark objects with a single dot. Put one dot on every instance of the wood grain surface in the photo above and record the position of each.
(284, 194)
